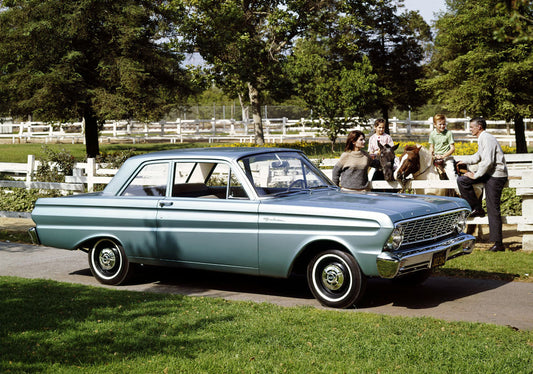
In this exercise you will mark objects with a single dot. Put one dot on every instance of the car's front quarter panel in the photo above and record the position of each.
(286, 231)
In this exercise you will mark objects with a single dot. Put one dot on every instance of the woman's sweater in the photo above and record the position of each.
(352, 170)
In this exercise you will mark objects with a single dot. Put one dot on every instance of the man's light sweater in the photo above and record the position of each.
(489, 157)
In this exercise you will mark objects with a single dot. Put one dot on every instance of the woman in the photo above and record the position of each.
(352, 168)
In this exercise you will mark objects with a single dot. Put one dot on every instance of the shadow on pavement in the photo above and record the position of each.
(379, 292)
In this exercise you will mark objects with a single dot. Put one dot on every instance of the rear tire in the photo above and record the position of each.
(108, 262)
(335, 279)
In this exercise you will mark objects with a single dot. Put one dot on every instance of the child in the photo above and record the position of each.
(441, 145)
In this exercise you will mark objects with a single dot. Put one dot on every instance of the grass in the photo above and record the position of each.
(46, 327)
(19, 152)
(506, 266)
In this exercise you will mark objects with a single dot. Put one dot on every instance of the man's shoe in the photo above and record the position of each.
(477, 213)
(497, 248)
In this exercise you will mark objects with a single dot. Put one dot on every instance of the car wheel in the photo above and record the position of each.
(109, 263)
(414, 279)
(335, 279)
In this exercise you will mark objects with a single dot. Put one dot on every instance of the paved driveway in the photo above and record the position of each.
(453, 299)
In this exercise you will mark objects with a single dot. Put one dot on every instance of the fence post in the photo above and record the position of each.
(213, 126)
(91, 171)
(284, 125)
(178, 126)
(30, 167)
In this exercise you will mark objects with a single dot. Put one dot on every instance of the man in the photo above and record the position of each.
(492, 171)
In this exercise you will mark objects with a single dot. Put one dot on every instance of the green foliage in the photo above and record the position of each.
(22, 200)
(245, 44)
(54, 165)
(337, 94)
(115, 159)
(97, 330)
(88, 58)
(474, 72)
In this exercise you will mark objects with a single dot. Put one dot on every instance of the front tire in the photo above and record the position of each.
(335, 279)
(108, 262)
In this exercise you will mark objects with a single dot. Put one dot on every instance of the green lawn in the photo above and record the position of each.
(50, 327)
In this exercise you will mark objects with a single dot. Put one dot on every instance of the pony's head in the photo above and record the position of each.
(386, 160)
(409, 163)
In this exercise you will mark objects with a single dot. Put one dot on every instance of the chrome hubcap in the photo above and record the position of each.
(107, 259)
(332, 277)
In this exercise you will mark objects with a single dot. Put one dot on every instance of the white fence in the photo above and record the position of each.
(213, 130)
(86, 175)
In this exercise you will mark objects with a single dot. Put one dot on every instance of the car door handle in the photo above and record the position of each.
(165, 203)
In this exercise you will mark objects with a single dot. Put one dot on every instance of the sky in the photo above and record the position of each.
(426, 7)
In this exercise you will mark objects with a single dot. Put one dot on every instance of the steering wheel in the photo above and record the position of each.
(293, 184)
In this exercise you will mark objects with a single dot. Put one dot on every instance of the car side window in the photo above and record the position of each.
(151, 180)
(206, 180)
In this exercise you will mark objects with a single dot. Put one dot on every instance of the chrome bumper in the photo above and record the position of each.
(392, 264)
(33, 235)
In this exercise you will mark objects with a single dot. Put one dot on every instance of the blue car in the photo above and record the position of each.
(261, 211)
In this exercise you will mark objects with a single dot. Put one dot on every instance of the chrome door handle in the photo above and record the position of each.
(165, 203)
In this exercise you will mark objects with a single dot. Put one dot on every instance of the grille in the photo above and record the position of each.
(430, 228)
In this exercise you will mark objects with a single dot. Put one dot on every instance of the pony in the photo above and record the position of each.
(386, 159)
(416, 162)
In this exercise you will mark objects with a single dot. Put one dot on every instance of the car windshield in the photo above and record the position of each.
(278, 173)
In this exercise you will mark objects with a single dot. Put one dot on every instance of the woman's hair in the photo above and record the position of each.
(438, 117)
(479, 121)
(352, 137)
(378, 121)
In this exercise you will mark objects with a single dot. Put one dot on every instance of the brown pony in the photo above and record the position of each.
(416, 163)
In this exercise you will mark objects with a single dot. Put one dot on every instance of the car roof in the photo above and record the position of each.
(228, 153)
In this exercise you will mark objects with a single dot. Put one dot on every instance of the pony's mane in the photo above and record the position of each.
(425, 157)
(410, 148)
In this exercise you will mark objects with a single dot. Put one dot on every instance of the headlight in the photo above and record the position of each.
(460, 225)
(395, 239)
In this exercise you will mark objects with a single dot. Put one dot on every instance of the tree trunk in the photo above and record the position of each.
(91, 134)
(385, 114)
(520, 136)
(256, 114)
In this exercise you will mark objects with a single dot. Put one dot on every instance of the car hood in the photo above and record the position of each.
(397, 206)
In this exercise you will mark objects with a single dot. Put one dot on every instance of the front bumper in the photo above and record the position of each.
(393, 264)
(32, 231)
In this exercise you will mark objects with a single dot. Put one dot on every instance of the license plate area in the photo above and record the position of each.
(439, 259)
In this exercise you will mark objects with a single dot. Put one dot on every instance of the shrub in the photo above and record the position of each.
(54, 165)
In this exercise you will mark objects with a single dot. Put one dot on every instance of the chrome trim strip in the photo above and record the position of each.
(392, 264)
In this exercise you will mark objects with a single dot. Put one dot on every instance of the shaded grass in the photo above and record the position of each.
(15, 236)
(46, 326)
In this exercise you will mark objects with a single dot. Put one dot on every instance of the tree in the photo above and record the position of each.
(90, 59)
(475, 72)
(244, 43)
(395, 45)
(521, 21)
(336, 93)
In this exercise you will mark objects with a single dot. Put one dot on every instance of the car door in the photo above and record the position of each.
(208, 221)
